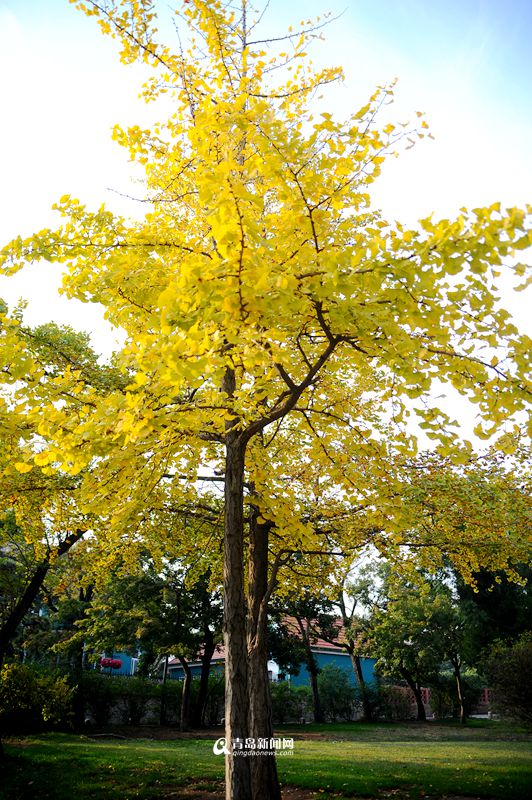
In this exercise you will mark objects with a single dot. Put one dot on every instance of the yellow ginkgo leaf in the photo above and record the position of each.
(23, 466)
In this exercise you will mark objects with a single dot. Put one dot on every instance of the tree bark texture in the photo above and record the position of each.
(237, 776)
(367, 711)
(184, 722)
(203, 690)
(459, 690)
(9, 628)
(416, 689)
(264, 778)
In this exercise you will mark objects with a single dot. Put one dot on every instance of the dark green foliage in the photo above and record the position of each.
(124, 699)
(495, 608)
(17, 563)
(167, 695)
(508, 668)
(60, 347)
(101, 692)
(32, 699)
(338, 696)
(286, 649)
(394, 703)
(290, 703)
(373, 699)
(155, 612)
(134, 698)
(443, 697)
(214, 707)
(288, 646)
(11, 564)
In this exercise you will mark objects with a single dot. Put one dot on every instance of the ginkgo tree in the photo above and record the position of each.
(259, 285)
(41, 509)
(39, 523)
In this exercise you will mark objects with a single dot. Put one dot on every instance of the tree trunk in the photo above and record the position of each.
(416, 689)
(78, 698)
(78, 704)
(459, 690)
(184, 722)
(421, 713)
(264, 778)
(312, 669)
(237, 768)
(85, 596)
(9, 628)
(162, 708)
(316, 702)
(203, 690)
(367, 711)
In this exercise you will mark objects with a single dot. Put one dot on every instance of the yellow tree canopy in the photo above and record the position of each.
(260, 255)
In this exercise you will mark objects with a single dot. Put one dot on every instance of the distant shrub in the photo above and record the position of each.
(290, 703)
(214, 707)
(101, 693)
(32, 698)
(372, 696)
(444, 696)
(394, 703)
(120, 698)
(168, 696)
(508, 668)
(133, 698)
(338, 695)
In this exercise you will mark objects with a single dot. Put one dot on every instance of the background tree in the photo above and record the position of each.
(352, 594)
(337, 694)
(44, 510)
(39, 529)
(508, 667)
(494, 608)
(402, 636)
(303, 619)
(158, 614)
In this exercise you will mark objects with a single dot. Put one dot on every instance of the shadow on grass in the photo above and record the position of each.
(60, 767)
(63, 767)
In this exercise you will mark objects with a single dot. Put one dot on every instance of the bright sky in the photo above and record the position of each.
(466, 63)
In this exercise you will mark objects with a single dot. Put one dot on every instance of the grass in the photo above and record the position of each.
(65, 767)
(406, 762)
(488, 769)
(441, 730)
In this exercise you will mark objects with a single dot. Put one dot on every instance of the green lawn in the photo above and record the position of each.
(380, 761)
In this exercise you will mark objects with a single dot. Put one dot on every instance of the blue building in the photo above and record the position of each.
(324, 653)
(329, 655)
(118, 663)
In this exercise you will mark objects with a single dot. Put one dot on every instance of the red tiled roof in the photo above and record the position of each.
(317, 643)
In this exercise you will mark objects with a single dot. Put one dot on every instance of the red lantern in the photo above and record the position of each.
(113, 663)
